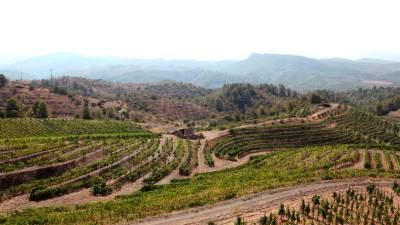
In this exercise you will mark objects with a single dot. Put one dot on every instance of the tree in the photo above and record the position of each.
(12, 109)
(3, 80)
(282, 90)
(315, 99)
(43, 110)
(40, 110)
(219, 105)
(35, 109)
(86, 112)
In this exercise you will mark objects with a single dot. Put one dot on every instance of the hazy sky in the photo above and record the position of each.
(203, 29)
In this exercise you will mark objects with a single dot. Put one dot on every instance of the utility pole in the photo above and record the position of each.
(51, 73)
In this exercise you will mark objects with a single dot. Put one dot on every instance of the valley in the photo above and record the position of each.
(255, 112)
(110, 171)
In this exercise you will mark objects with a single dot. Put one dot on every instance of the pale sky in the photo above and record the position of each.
(203, 29)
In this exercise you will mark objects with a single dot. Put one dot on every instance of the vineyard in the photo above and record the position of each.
(349, 127)
(281, 168)
(167, 173)
(17, 128)
(369, 206)
(53, 167)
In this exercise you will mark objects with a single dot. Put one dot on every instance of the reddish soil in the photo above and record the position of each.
(394, 162)
(79, 197)
(59, 105)
(76, 198)
(360, 163)
(254, 206)
(202, 167)
(373, 163)
(385, 165)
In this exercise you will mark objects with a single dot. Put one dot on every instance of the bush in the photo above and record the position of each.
(101, 189)
(3, 80)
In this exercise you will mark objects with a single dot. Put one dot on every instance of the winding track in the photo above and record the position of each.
(229, 209)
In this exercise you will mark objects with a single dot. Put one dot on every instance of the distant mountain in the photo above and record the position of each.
(379, 61)
(296, 72)
(383, 55)
(61, 63)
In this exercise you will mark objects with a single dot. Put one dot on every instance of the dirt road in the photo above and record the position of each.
(227, 210)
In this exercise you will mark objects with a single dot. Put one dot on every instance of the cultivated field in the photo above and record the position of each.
(121, 174)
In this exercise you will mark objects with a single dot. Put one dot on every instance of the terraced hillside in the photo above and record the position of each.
(348, 126)
(143, 174)
(278, 169)
(16, 128)
(52, 167)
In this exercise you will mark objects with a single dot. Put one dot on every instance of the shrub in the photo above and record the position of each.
(101, 189)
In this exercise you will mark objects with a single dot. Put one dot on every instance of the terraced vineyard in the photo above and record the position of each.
(337, 143)
(70, 156)
(349, 127)
(16, 128)
(281, 168)
(53, 167)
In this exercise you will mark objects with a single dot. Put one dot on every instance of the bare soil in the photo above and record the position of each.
(385, 164)
(373, 162)
(76, 198)
(394, 162)
(360, 164)
(256, 205)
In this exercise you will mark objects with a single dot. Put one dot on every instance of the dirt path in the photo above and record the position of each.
(360, 164)
(372, 158)
(202, 167)
(175, 174)
(214, 134)
(393, 161)
(252, 215)
(385, 164)
(228, 210)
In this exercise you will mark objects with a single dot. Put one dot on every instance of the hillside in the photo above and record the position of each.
(59, 105)
(65, 96)
(298, 72)
(318, 154)
(60, 102)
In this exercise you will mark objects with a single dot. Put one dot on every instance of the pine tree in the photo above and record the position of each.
(12, 109)
(40, 110)
(86, 112)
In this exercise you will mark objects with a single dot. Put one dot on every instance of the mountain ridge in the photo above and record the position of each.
(298, 72)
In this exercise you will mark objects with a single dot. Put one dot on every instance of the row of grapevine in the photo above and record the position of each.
(15, 128)
(353, 207)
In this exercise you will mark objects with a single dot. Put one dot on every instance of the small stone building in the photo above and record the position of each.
(187, 133)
